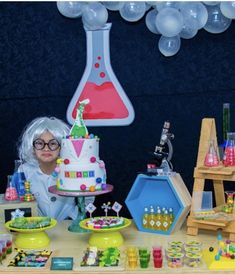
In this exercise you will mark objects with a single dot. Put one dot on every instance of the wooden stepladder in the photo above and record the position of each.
(218, 175)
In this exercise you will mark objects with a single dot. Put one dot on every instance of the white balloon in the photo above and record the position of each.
(169, 46)
(194, 13)
(211, 3)
(165, 4)
(187, 32)
(94, 15)
(133, 11)
(169, 22)
(150, 21)
(113, 5)
(228, 9)
(216, 22)
(70, 9)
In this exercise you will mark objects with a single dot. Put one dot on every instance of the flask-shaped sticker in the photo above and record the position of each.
(109, 104)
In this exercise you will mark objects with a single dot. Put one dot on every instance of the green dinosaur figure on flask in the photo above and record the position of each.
(79, 129)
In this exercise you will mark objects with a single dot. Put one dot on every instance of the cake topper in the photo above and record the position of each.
(117, 207)
(90, 208)
(106, 207)
(79, 128)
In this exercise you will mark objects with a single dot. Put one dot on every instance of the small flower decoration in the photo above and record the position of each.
(17, 214)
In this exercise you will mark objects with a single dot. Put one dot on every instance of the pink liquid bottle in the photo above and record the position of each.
(109, 104)
(11, 193)
(211, 158)
(229, 152)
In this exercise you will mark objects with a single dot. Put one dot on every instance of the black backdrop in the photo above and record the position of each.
(42, 59)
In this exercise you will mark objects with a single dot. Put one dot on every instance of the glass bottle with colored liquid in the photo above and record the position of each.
(18, 179)
(145, 218)
(165, 221)
(152, 219)
(229, 151)
(109, 104)
(158, 219)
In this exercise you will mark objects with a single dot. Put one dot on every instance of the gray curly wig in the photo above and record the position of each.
(33, 130)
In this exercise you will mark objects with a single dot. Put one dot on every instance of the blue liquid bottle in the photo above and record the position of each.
(18, 179)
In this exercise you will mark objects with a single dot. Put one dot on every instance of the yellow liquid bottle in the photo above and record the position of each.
(145, 218)
(171, 215)
(165, 221)
(158, 220)
(152, 219)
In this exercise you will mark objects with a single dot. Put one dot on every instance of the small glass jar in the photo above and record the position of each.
(172, 250)
(175, 260)
(193, 243)
(176, 244)
(192, 249)
(193, 259)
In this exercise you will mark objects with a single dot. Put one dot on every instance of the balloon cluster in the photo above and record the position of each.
(171, 20)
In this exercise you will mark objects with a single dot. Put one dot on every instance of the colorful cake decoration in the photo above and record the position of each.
(79, 129)
(105, 222)
(79, 168)
(106, 208)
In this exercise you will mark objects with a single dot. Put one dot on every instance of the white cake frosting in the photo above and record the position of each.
(80, 168)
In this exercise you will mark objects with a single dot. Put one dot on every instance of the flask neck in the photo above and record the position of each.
(98, 54)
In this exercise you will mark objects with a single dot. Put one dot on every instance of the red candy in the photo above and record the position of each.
(83, 187)
(92, 159)
(66, 161)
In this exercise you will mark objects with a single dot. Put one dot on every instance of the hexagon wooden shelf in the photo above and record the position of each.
(163, 191)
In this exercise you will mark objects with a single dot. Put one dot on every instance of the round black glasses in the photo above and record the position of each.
(39, 144)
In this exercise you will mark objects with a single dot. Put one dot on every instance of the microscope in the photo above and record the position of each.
(162, 154)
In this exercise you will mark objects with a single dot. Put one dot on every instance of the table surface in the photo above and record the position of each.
(69, 244)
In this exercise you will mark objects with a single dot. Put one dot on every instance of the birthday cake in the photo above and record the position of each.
(79, 168)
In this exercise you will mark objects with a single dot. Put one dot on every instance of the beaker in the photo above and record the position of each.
(229, 152)
(109, 104)
(211, 158)
(11, 193)
(18, 178)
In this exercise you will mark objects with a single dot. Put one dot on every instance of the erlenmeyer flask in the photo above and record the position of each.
(229, 152)
(211, 158)
(11, 193)
(109, 105)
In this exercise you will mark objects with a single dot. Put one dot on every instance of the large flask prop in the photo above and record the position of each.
(109, 104)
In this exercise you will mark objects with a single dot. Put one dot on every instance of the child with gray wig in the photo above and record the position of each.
(39, 149)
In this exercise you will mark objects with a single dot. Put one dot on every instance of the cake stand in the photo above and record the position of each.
(75, 225)
(106, 237)
(31, 238)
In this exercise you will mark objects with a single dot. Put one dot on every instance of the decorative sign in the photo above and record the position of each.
(90, 208)
(117, 207)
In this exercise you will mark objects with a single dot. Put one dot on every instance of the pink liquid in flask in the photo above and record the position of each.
(109, 105)
(105, 103)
